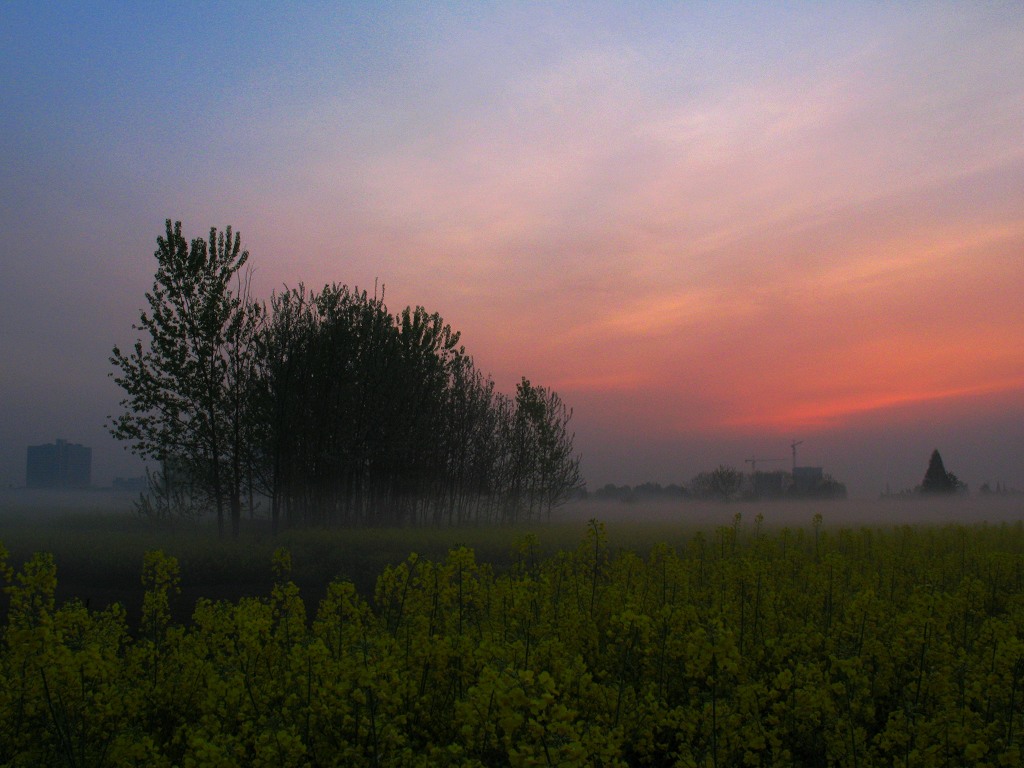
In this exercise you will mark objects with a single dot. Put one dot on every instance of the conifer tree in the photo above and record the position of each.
(936, 478)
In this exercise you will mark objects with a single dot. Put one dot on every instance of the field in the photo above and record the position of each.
(842, 633)
(98, 544)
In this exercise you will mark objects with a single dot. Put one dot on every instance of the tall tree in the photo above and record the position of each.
(188, 382)
(936, 478)
(285, 339)
(374, 418)
(552, 470)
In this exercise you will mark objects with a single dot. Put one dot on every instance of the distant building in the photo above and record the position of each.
(768, 485)
(58, 465)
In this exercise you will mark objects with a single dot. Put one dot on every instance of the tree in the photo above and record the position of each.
(374, 418)
(551, 470)
(936, 478)
(189, 383)
(337, 410)
(721, 483)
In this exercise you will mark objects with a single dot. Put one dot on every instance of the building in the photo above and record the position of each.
(769, 485)
(58, 465)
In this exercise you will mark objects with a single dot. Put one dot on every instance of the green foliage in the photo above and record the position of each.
(836, 647)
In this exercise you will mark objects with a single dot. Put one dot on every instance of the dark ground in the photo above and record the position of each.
(98, 547)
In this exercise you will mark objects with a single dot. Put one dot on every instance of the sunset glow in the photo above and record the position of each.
(713, 229)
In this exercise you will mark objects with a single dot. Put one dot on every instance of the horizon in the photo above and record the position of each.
(712, 230)
(127, 484)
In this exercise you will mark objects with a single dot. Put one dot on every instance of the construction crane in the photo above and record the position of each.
(753, 463)
(793, 446)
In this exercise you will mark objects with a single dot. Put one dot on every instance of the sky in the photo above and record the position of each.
(714, 229)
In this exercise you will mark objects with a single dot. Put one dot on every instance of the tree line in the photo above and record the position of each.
(325, 403)
(726, 483)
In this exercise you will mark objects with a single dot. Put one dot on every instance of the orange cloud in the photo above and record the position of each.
(833, 412)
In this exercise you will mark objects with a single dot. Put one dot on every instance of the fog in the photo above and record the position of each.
(967, 510)
(47, 503)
